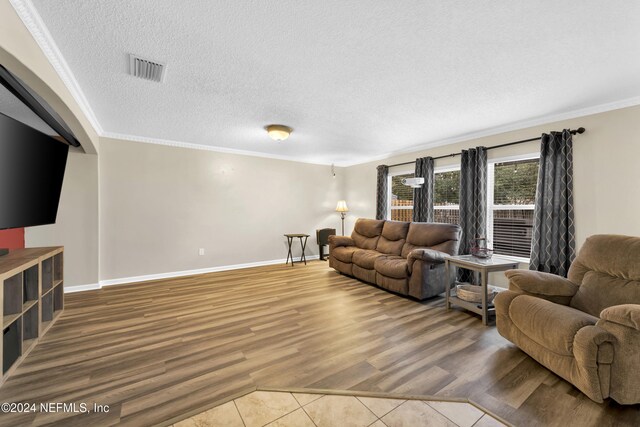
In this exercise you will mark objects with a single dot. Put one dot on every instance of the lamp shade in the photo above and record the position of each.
(342, 206)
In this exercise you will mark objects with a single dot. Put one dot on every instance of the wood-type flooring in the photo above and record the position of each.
(157, 351)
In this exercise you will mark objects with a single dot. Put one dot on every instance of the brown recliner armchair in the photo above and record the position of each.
(585, 328)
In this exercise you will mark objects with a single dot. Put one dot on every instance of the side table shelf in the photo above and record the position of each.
(31, 299)
(482, 266)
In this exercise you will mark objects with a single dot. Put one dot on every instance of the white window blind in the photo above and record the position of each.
(511, 199)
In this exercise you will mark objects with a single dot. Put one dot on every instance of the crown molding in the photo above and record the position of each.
(192, 146)
(32, 20)
(583, 112)
(524, 124)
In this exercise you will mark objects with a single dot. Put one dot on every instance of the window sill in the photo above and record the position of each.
(519, 259)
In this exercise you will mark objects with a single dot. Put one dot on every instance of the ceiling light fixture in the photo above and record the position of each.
(279, 132)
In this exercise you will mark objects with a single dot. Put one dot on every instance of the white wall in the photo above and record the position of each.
(77, 223)
(606, 171)
(160, 204)
(76, 226)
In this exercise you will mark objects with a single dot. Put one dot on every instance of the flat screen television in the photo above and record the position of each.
(32, 168)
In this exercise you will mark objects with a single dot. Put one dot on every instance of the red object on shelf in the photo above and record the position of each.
(13, 238)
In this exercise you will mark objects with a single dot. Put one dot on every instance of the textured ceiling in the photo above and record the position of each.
(355, 79)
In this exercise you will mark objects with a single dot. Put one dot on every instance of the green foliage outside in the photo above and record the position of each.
(447, 188)
(399, 190)
(514, 184)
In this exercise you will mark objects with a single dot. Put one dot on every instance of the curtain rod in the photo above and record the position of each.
(572, 131)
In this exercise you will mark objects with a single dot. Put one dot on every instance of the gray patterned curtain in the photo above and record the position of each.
(473, 196)
(553, 242)
(423, 196)
(382, 192)
(473, 202)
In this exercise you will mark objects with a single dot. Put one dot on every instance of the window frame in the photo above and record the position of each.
(491, 207)
(390, 175)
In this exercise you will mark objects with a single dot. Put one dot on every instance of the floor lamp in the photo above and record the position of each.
(343, 209)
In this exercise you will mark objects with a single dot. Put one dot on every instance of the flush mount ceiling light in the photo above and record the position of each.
(278, 132)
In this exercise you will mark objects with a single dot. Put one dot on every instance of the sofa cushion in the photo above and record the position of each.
(366, 232)
(400, 286)
(441, 237)
(608, 272)
(551, 325)
(363, 274)
(599, 291)
(392, 266)
(342, 267)
(344, 253)
(393, 237)
(366, 258)
(611, 254)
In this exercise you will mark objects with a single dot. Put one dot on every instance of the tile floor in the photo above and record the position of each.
(282, 409)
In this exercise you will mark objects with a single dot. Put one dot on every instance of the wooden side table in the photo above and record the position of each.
(290, 238)
(484, 267)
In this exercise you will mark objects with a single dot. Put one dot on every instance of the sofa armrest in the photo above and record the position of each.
(593, 349)
(543, 285)
(335, 241)
(593, 345)
(428, 255)
(625, 314)
(621, 321)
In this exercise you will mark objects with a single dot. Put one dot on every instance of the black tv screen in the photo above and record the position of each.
(31, 172)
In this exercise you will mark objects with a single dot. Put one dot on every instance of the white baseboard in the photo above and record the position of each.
(80, 288)
(169, 275)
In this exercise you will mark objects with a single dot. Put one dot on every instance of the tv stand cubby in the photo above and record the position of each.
(31, 300)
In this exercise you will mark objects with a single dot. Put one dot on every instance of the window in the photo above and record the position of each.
(511, 193)
(511, 199)
(446, 200)
(401, 198)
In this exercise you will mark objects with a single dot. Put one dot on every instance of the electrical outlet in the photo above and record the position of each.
(201, 251)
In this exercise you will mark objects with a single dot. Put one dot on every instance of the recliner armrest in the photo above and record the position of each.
(623, 323)
(593, 345)
(624, 314)
(335, 241)
(429, 255)
(544, 285)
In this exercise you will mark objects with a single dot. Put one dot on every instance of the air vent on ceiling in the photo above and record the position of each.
(145, 68)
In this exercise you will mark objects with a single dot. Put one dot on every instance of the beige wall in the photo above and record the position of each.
(606, 171)
(160, 204)
(77, 223)
(157, 205)
(76, 227)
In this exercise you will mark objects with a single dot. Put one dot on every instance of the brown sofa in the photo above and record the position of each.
(585, 328)
(403, 257)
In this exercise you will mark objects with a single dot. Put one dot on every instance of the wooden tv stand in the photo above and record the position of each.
(31, 300)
